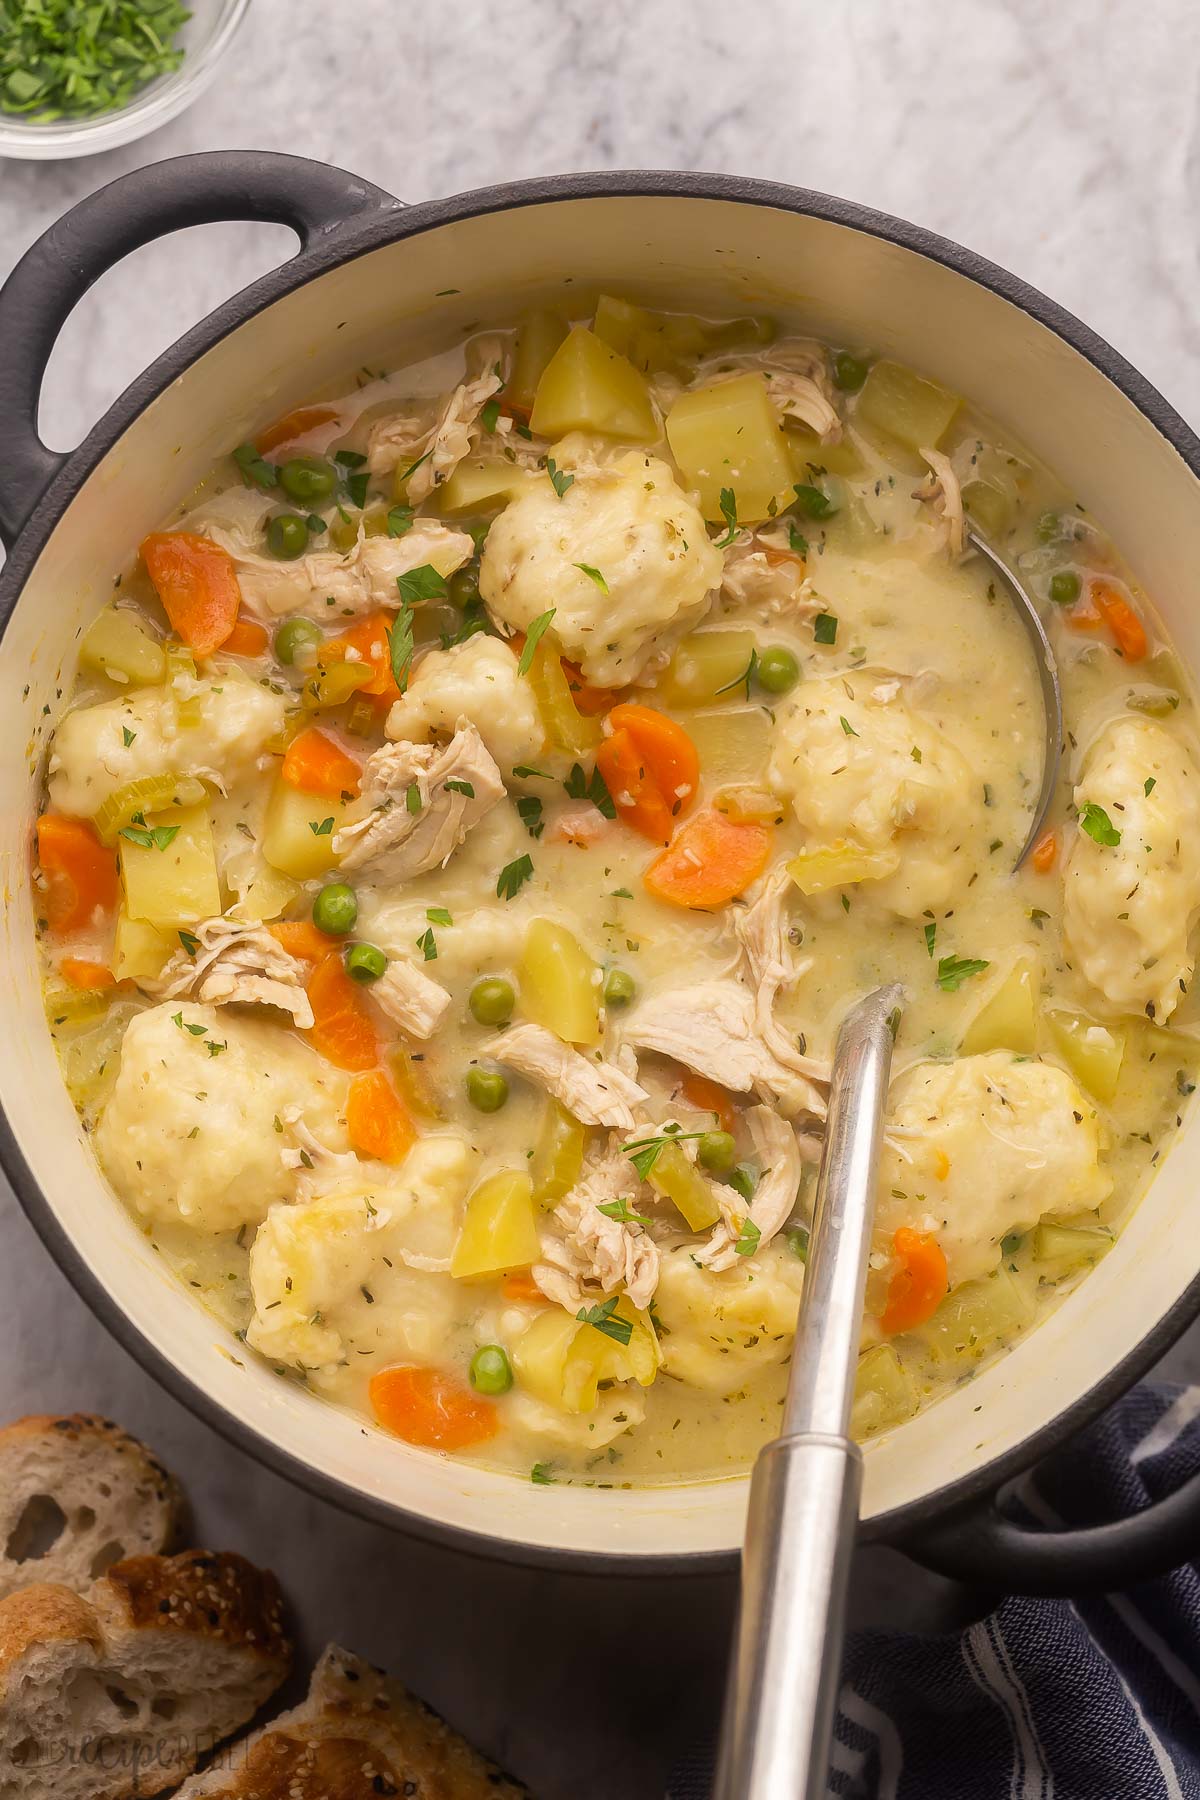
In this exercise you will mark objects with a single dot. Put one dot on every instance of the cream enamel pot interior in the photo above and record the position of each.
(372, 273)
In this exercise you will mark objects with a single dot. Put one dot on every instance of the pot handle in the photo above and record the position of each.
(316, 200)
(979, 1544)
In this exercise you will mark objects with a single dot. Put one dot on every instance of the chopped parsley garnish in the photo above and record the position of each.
(1099, 827)
(190, 942)
(427, 945)
(356, 487)
(747, 1239)
(540, 1475)
(489, 414)
(455, 786)
(315, 523)
(604, 1318)
(561, 482)
(128, 737)
(513, 877)
(620, 1209)
(529, 811)
(76, 62)
(525, 773)
(593, 575)
(930, 939)
(728, 504)
(643, 1153)
(825, 628)
(321, 827)
(215, 1049)
(422, 583)
(196, 1030)
(349, 459)
(533, 638)
(414, 466)
(255, 468)
(746, 676)
(401, 645)
(593, 787)
(1149, 786)
(437, 915)
(154, 837)
(412, 797)
(399, 521)
(797, 540)
(814, 501)
(847, 727)
(952, 971)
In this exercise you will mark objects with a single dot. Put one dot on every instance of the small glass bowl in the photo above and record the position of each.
(205, 39)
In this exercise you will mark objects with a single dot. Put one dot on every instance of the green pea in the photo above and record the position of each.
(287, 536)
(619, 987)
(1064, 587)
(717, 1151)
(308, 478)
(492, 1000)
(335, 909)
(491, 1371)
(778, 669)
(487, 1089)
(463, 586)
(365, 962)
(1046, 529)
(295, 638)
(744, 1180)
(797, 1242)
(849, 372)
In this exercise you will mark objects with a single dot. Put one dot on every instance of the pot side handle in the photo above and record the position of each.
(316, 200)
(979, 1544)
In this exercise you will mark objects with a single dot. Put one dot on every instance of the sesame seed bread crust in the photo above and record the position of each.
(223, 1596)
(78, 1494)
(357, 1736)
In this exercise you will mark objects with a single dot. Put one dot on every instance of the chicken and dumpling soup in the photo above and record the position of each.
(478, 807)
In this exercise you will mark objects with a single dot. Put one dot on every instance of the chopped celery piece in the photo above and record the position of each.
(991, 493)
(557, 1160)
(1067, 1247)
(727, 436)
(417, 1086)
(68, 1007)
(1093, 1052)
(498, 1230)
(333, 683)
(884, 1392)
(681, 1182)
(298, 832)
(705, 664)
(482, 483)
(1158, 702)
(906, 405)
(176, 885)
(181, 669)
(732, 742)
(122, 648)
(655, 341)
(588, 387)
(840, 865)
(1008, 1020)
(977, 1318)
(560, 984)
(91, 1059)
(565, 726)
(141, 950)
(808, 453)
(150, 793)
(539, 334)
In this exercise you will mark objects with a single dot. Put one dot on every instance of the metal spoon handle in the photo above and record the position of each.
(800, 1527)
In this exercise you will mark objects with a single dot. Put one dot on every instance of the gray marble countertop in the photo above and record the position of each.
(1060, 142)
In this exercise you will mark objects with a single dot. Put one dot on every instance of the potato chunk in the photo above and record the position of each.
(728, 436)
(586, 386)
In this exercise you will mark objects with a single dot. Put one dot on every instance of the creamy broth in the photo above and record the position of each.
(480, 806)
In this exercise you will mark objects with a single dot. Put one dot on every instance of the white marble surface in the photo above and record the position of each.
(1060, 141)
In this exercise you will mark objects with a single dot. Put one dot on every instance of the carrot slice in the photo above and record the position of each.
(316, 764)
(197, 583)
(246, 639)
(368, 638)
(423, 1406)
(377, 1119)
(520, 1286)
(89, 976)
(342, 1029)
(654, 768)
(919, 1285)
(1084, 615)
(591, 701)
(301, 938)
(293, 425)
(1122, 621)
(710, 860)
(81, 875)
(1044, 852)
(708, 1096)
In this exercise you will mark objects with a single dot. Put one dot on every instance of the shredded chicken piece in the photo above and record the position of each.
(762, 931)
(598, 1093)
(797, 375)
(941, 488)
(437, 452)
(585, 1246)
(779, 1155)
(410, 999)
(236, 963)
(761, 571)
(327, 585)
(456, 784)
(322, 1166)
(802, 397)
(393, 441)
(712, 1029)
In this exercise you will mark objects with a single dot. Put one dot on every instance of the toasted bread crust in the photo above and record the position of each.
(36, 1617)
(74, 1426)
(221, 1596)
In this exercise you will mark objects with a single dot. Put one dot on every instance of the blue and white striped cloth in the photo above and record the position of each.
(1095, 1699)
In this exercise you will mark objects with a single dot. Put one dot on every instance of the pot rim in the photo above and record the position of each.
(358, 238)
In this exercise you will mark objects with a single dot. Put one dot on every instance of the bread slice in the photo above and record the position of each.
(357, 1736)
(78, 1494)
(120, 1692)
